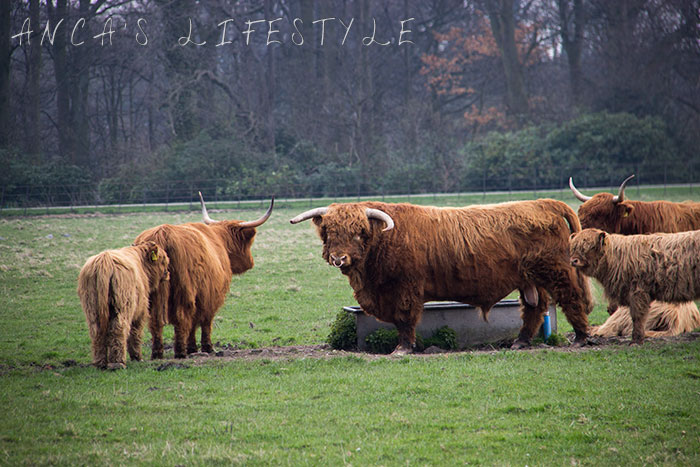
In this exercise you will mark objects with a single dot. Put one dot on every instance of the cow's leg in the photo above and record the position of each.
(99, 346)
(574, 297)
(135, 337)
(639, 302)
(192, 339)
(532, 313)
(157, 312)
(612, 306)
(206, 335)
(406, 326)
(184, 331)
(116, 344)
(156, 329)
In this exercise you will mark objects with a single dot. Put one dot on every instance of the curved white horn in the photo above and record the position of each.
(382, 216)
(205, 215)
(621, 194)
(262, 220)
(306, 215)
(580, 196)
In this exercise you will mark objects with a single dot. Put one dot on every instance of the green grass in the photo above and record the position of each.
(612, 406)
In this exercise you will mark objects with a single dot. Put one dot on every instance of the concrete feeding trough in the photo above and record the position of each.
(504, 322)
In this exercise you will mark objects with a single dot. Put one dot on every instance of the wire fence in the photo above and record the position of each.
(25, 199)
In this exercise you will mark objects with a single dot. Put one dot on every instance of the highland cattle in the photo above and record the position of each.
(615, 214)
(203, 259)
(664, 320)
(398, 256)
(636, 269)
(114, 288)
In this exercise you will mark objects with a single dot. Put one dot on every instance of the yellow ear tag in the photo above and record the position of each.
(154, 256)
(626, 214)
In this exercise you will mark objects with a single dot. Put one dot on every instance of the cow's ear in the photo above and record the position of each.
(602, 238)
(248, 232)
(627, 209)
(317, 220)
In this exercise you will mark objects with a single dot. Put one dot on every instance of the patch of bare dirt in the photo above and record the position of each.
(324, 351)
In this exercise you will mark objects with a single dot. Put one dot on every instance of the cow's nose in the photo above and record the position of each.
(575, 261)
(338, 261)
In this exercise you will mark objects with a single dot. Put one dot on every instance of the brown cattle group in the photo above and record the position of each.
(398, 256)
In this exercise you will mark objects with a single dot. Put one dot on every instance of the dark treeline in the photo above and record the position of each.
(324, 97)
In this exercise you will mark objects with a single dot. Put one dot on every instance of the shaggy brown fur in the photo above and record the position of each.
(477, 255)
(665, 319)
(636, 269)
(606, 212)
(638, 217)
(203, 259)
(114, 288)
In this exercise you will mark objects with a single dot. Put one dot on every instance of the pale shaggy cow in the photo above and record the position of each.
(114, 288)
(664, 320)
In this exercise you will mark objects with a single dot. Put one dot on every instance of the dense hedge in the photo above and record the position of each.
(601, 148)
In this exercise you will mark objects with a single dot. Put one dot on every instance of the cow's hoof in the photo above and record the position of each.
(520, 344)
(398, 351)
(207, 349)
(116, 366)
(180, 355)
(157, 355)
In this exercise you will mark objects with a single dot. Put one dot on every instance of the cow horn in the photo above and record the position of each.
(382, 216)
(205, 215)
(262, 220)
(306, 215)
(578, 194)
(621, 194)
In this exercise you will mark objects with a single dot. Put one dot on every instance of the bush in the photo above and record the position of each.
(343, 335)
(382, 341)
(556, 340)
(445, 338)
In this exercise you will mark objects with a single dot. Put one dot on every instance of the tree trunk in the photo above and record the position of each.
(63, 81)
(33, 143)
(572, 42)
(5, 49)
(502, 18)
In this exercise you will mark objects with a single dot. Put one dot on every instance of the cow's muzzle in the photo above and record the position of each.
(339, 261)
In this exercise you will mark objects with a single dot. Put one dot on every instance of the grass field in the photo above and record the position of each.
(621, 404)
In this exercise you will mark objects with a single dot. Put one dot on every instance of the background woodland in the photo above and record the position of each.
(489, 94)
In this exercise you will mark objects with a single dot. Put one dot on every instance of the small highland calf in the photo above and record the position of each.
(665, 319)
(636, 269)
(114, 288)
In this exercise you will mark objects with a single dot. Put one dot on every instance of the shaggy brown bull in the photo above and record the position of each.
(114, 288)
(636, 269)
(398, 256)
(615, 214)
(203, 259)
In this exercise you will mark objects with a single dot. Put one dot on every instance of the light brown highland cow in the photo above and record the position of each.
(636, 269)
(114, 288)
(665, 319)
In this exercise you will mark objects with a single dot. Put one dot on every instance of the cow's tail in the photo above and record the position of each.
(104, 293)
(583, 282)
(94, 288)
(567, 213)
